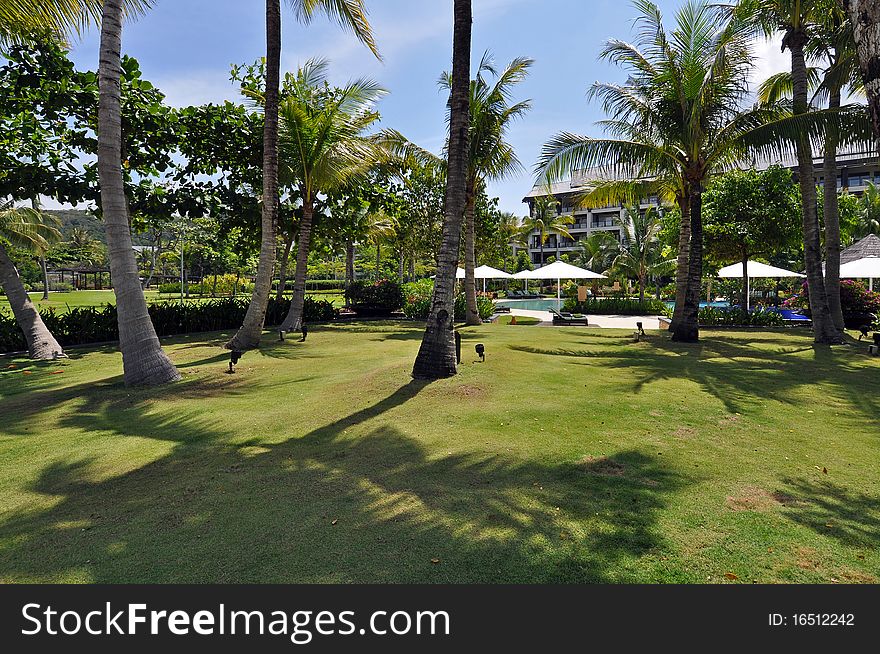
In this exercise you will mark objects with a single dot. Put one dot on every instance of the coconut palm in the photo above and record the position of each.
(19, 19)
(323, 146)
(490, 157)
(143, 360)
(799, 21)
(678, 120)
(350, 14)
(33, 231)
(510, 235)
(545, 220)
(436, 358)
(379, 228)
(640, 251)
(869, 222)
(596, 251)
(831, 44)
(866, 34)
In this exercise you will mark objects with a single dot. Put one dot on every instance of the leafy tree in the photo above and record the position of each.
(869, 220)
(750, 213)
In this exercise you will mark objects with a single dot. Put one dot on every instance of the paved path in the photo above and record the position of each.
(609, 322)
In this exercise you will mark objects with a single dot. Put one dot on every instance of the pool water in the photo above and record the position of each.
(718, 305)
(531, 305)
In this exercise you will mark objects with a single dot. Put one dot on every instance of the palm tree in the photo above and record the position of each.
(323, 146)
(143, 360)
(870, 214)
(866, 33)
(677, 121)
(379, 227)
(34, 231)
(20, 19)
(831, 43)
(490, 157)
(350, 14)
(596, 251)
(545, 220)
(436, 358)
(799, 20)
(510, 235)
(640, 251)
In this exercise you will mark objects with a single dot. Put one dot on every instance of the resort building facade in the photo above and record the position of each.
(855, 170)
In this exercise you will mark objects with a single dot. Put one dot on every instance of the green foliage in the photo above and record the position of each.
(751, 212)
(379, 298)
(418, 296)
(735, 317)
(84, 325)
(225, 285)
(855, 299)
(615, 305)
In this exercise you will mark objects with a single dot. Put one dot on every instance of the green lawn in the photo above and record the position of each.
(571, 455)
(61, 300)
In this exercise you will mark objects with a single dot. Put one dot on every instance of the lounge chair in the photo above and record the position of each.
(568, 319)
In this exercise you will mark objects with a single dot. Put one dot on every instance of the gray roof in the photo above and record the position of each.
(867, 247)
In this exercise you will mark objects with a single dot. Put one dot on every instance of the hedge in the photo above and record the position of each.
(616, 305)
(418, 296)
(86, 325)
(736, 317)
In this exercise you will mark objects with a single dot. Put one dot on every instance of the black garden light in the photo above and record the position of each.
(641, 327)
(481, 351)
(233, 360)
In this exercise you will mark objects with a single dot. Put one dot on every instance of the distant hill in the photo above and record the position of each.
(79, 219)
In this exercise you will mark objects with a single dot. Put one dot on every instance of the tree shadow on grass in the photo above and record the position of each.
(738, 370)
(337, 504)
(851, 517)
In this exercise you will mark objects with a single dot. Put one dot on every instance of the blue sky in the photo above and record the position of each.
(187, 46)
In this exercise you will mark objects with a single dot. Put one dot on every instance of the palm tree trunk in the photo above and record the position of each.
(143, 360)
(436, 358)
(378, 257)
(248, 337)
(747, 291)
(832, 220)
(45, 271)
(282, 269)
(865, 18)
(470, 259)
(642, 288)
(41, 344)
(824, 330)
(681, 271)
(293, 321)
(687, 330)
(349, 267)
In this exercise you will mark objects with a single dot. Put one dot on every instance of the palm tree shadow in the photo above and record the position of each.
(330, 505)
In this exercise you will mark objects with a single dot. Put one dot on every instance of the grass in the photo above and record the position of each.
(61, 300)
(571, 455)
(520, 320)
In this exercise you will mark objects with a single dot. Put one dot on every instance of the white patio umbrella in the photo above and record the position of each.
(867, 268)
(560, 270)
(756, 269)
(488, 272)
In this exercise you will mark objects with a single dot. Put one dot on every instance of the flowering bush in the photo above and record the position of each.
(418, 296)
(855, 298)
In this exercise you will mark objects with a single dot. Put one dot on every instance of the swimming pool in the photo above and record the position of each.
(548, 304)
(718, 305)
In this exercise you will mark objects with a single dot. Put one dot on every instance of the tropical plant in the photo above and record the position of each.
(32, 231)
(830, 44)
(596, 251)
(323, 147)
(640, 252)
(799, 20)
(350, 14)
(869, 222)
(677, 121)
(20, 20)
(546, 220)
(436, 358)
(490, 156)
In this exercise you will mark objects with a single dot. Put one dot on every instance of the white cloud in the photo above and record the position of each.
(196, 88)
(769, 60)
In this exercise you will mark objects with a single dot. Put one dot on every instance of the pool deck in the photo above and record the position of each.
(603, 321)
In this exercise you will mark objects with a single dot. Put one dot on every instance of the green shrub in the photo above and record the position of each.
(226, 285)
(615, 305)
(418, 296)
(380, 298)
(736, 317)
(84, 325)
